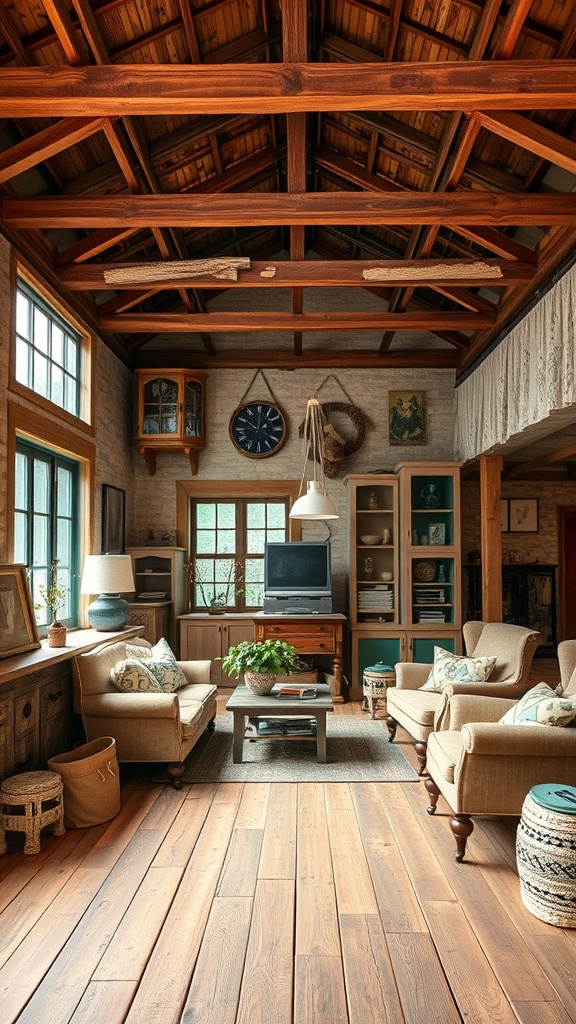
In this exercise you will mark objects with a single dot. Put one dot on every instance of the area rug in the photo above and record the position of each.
(358, 750)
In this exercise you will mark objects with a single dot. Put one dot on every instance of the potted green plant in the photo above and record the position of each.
(54, 597)
(261, 661)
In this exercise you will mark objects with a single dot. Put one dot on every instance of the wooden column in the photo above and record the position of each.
(490, 537)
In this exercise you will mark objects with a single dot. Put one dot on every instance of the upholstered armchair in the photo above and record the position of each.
(146, 726)
(415, 709)
(482, 766)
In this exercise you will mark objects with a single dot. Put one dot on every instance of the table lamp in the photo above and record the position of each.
(108, 576)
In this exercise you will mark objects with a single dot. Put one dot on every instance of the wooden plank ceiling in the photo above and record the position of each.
(160, 162)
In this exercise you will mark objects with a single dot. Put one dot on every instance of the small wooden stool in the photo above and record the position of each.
(28, 802)
(375, 681)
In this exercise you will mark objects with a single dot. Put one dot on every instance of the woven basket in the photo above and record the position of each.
(260, 683)
(546, 857)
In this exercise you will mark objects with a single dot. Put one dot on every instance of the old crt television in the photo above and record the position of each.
(297, 577)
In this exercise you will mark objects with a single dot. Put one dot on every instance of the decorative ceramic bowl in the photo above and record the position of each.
(386, 576)
(370, 538)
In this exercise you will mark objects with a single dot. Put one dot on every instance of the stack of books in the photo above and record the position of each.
(434, 615)
(296, 692)
(376, 600)
(429, 595)
(286, 727)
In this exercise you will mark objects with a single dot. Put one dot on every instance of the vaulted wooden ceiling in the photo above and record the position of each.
(162, 161)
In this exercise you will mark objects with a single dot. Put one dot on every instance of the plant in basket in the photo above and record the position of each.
(54, 597)
(261, 661)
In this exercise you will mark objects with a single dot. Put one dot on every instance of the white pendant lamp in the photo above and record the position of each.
(315, 503)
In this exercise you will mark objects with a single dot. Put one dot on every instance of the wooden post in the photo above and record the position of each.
(490, 537)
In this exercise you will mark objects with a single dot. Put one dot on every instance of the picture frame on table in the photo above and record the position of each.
(18, 630)
(523, 514)
(504, 515)
(437, 533)
(113, 520)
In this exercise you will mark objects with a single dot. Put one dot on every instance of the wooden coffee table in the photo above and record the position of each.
(244, 703)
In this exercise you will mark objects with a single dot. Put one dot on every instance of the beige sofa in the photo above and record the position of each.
(146, 726)
(415, 709)
(483, 767)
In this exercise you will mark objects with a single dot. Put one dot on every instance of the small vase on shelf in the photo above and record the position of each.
(56, 635)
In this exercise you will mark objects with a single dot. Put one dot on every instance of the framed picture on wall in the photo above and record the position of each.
(113, 520)
(523, 515)
(407, 417)
(504, 515)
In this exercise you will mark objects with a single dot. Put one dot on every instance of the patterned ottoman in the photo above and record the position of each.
(546, 854)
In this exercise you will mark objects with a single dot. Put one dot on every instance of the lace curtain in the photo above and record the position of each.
(530, 375)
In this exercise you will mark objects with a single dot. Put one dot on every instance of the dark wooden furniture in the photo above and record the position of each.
(36, 701)
(244, 703)
(309, 634)
(528, 598)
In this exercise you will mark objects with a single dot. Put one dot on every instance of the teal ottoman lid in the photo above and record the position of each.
(559, 798)
(380, 667)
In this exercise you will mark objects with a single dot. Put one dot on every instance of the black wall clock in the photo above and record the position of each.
(258, 429)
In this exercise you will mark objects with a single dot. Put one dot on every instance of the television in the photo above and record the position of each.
(297, 577)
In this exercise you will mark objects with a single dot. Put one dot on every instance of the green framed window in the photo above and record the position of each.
(227, 549)
(48, 351)
(46, 524)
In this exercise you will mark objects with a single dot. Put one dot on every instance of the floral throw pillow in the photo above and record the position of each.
(161, 662)
(453, 668)
(132, 676)
(541, 706)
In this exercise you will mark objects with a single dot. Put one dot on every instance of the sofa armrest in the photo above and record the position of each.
(411, 675)
(457, 709)
(196, 671)
(131, 705)
(519, 740)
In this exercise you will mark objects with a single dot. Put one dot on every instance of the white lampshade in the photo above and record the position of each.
(107, 574)
(315, 504)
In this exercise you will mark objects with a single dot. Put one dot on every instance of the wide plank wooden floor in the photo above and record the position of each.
(276, 904)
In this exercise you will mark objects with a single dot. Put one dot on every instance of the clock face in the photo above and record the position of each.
(258, 429)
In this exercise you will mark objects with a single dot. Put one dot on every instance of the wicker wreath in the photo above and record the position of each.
(335, 447)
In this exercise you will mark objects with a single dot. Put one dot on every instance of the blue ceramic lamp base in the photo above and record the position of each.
(108, 612)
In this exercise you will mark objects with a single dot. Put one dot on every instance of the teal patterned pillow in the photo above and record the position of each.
(132, 676)
(451, 668)
(541, 706)
(161, 662)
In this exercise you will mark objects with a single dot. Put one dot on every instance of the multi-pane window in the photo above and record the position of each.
(48, 351)
(227, 549)
(46, 524)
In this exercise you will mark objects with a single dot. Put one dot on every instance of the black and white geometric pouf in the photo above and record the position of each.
(546, 854)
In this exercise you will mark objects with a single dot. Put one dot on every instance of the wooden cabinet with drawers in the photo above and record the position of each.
(310, 635)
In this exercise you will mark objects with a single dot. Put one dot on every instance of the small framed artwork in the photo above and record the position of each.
(407, 417)
(437, 533)
(18, 630)
(514, 555)
(504, 515)
(113, 520)
(523, 515)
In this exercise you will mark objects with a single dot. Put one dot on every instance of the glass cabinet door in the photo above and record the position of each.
(193, 409)
(160, 406)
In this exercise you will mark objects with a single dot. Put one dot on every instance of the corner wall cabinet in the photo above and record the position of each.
(207, 637)
(160, 580)
(171, 414)
(405, 590)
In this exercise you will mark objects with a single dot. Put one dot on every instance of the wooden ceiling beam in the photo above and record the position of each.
(544, 460)
(128, 89)
(267, 208)
(259, 321)
(46, 143)
(456, 274)
(94, 243)
(311, 358)
(295, 49)
(529, 135)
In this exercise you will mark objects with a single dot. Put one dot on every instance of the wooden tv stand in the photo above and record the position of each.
(309, 634)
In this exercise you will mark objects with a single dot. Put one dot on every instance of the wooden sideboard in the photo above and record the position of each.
(309, 634)
(37, 717)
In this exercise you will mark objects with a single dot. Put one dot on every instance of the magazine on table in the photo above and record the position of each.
(296, 692)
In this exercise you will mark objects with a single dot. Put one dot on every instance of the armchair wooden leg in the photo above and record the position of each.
(211, 724)
(176, 771)
(433, 793)
(462, 827)
(391, 725)
(421, 749)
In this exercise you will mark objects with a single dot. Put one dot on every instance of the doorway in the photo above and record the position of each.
(567, 571)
